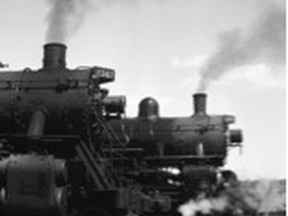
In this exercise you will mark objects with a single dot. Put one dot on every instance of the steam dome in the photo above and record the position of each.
(148, 108)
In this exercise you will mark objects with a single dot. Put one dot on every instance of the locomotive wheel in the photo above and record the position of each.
(94, 211)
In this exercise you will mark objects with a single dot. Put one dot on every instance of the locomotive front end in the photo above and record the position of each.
(50, 124)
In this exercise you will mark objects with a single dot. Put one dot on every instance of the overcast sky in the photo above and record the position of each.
(158, 48)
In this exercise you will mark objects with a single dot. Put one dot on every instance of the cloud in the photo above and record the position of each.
(190, 65)
(259, 75)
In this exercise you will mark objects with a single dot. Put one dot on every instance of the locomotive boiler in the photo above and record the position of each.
(198, 138)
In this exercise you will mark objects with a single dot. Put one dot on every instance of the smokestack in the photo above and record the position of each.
(54, 56)
(199, 104)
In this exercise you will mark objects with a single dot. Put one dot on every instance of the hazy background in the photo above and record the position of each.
(233, 50)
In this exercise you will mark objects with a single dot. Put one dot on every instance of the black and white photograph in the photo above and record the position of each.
(143, 108)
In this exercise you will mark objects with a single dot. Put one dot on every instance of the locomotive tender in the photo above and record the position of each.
(67, 149)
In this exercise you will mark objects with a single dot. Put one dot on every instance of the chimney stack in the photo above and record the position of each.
(54, 56)
(199, 104)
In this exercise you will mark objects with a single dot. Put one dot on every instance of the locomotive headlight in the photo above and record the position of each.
(235, 136)
(115, 104)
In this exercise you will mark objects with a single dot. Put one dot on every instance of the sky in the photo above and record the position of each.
(159, 48)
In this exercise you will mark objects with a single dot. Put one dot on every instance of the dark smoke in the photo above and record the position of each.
(263, 42)
(65, 18)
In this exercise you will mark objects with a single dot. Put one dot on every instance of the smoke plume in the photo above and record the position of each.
(263, 42)
(247, 198)
(203, 206)
(65, 18)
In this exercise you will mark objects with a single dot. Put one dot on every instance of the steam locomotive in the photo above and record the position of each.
(178, 157)
(66, 147)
